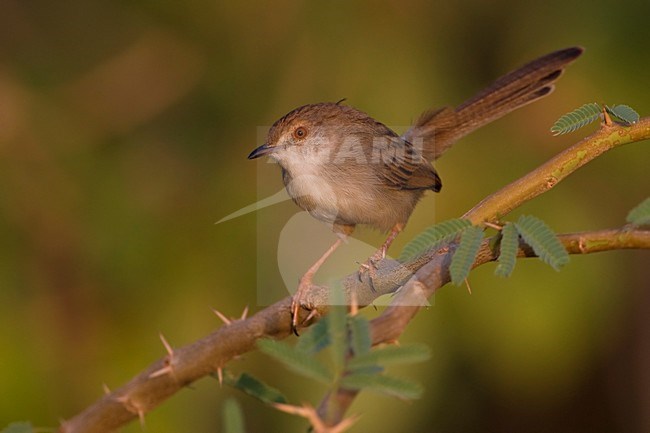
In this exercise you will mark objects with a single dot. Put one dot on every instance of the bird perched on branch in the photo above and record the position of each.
(345, 168)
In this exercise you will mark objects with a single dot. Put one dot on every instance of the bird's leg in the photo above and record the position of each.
(306, 283)
(380, 254)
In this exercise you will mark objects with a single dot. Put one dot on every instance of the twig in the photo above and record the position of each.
(555, 170)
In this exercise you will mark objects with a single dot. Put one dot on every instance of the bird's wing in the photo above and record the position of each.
(403, 167)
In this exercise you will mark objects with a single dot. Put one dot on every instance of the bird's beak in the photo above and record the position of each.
(261, 151)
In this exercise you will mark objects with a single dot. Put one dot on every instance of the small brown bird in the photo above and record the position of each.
(345, 168)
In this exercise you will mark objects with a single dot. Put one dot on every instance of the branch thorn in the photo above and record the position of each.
(220, 376)
(168, 348)
(608, 119)
(492, 225)
(141, 418)
(132, 407)
(220, 315)
(167, 369)
(168, 361)
(354, 303)
(469, 288)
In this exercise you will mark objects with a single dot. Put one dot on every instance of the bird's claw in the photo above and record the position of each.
(370, 268)
(297, 302)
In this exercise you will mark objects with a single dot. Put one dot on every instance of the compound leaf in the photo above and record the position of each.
(640, 215)
(542, 240)
(393, 386)
(433, 236)
(360, 340)
(337, 326)
(18, 427)
(463, 259)
(576, 119)
(255, 388)
(233, 418)
(296, 360)
(624, 113)
(392, 355)
(508, 246)
(315, 339)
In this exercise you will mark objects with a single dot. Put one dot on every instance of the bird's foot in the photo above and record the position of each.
(299, 301)
(371, 265)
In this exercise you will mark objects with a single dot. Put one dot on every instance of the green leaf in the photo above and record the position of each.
(233, 418)
(640, 215)
(624, 113)
(296, 360)
(543, 241)
(432, 237)
(508, 247)
(360, 340)
(315, 339)
(18, 427)
(337, 327)
(366, 369)
(255, 388)
(576, 119)
(406, 354)
(396, 387)
(463, 259)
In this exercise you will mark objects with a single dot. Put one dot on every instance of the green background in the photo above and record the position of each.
(124, 131)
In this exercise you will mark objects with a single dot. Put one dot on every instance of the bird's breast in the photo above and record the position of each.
(313, 192)
(343, 199)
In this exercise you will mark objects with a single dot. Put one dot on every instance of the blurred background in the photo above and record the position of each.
(124, 131)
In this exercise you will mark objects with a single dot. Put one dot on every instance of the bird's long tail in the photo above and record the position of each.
(437, 130)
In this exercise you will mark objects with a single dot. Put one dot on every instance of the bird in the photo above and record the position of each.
(346, 169)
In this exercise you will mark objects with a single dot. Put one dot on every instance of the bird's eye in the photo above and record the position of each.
(300, 132)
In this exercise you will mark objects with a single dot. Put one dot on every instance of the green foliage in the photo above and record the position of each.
(233, 418)
(534, 232)
(316, 339)
(640, 215)
(434, 236)
(337, 328)
(360, 341)
(508, 245)
(542, 240)
(18, 427)
(463, 259)
(588, 113)
(576, 119)
(353, 365)
(537, 235)
(623, 113)
(386, 355)
(296, 360)
(255, 388)
(383, 384)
